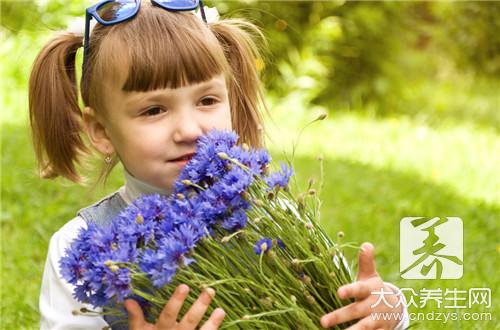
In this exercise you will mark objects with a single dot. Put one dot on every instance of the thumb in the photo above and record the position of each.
(366, 262)
(135, 315)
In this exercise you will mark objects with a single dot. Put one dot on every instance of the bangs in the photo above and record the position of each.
(160, 49)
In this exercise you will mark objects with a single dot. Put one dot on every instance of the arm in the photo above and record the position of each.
(56, 295)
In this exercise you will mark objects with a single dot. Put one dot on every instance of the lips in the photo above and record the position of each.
(184, 158)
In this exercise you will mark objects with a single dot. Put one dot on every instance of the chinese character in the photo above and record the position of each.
(382, 293)
(480, 296)
(409, 300)
(455, 298)
(430, 254)
(431, 294)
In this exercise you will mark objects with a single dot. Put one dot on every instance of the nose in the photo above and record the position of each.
(187, 128)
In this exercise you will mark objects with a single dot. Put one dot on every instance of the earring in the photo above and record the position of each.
(107, 159)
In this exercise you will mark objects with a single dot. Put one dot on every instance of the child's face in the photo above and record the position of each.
(150, 130)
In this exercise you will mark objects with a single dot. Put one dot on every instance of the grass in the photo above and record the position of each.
(377, 170)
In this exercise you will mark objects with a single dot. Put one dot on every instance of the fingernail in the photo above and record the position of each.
(210, 292)
(220, 312)
(182, 289)
(324, 322)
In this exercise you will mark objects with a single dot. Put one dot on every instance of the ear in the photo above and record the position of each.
(97, 131)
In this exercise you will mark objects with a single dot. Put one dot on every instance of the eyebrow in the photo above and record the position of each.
(199, 89)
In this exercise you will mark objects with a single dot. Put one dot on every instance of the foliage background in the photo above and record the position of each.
(412, 92)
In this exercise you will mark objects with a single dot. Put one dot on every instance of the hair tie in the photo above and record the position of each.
(211, 14)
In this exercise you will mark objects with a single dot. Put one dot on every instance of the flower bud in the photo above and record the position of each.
(139, 219)
(310, 299)
(270, 195)
(244, 194)
(114, 246)
(267, 301)
(321, 116)
(297, 266)
(245, 147)
(222, 155)
(312, 192)
(306, 279)
(108, 263)
(308, 226)
(186, 182)
(266, 170)
(300, 200)
(340, 234)
(258, 202)
(114, 268)
(293, 299)
(180, 196)
(245, 317)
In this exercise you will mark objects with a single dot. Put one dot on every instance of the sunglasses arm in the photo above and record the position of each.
(202, 12)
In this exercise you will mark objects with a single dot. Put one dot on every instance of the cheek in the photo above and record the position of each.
(220, 120)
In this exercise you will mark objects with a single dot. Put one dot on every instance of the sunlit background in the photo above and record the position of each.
(412, 92)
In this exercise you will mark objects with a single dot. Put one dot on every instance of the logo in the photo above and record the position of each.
(431, 248)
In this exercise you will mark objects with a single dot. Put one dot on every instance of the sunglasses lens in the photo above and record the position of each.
(178, 4)
(115, 10)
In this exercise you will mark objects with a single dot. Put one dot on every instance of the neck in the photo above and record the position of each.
(135, 188)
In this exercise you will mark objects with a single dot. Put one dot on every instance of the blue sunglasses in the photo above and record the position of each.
(111, 12)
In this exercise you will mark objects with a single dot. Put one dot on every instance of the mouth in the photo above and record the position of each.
(184, 158)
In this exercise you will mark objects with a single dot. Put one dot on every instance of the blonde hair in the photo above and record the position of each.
(161, 49)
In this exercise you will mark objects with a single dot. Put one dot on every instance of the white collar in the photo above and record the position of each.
(135, 187)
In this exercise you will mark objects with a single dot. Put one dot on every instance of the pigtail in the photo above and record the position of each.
(246, 95)
(55, 117)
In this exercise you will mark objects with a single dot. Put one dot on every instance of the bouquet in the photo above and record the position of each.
(231, 224)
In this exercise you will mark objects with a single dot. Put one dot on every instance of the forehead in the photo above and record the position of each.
(216, 83)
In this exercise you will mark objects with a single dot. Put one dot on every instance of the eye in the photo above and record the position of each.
(152, 112)
(209, 101)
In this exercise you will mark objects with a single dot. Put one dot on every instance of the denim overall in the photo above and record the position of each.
(102, 213)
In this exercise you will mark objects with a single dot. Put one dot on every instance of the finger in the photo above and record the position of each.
(135, 315)
(168, 316)
(365, 323)
(366, 262)
(347, 313)
(358, 290)
(215, 320)
(196, 312)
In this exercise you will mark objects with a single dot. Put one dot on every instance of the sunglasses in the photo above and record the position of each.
(110, 12)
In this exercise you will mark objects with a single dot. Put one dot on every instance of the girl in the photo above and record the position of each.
(154, 79)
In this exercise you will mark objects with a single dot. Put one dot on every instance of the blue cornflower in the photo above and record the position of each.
(154, 264)
(236, 221)
(188, 234)
(279, 178)
(263, 245)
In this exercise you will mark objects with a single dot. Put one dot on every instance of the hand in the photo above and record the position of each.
(368, 281)
(168, 317)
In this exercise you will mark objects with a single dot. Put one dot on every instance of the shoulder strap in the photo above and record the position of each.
(104, 210)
